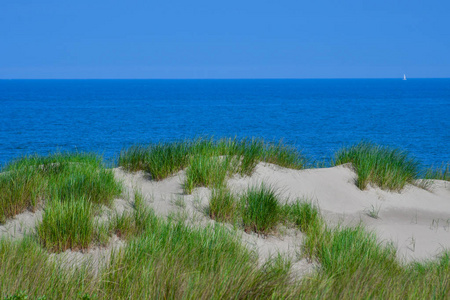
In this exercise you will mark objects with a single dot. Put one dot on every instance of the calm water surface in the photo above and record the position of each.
(317, 116)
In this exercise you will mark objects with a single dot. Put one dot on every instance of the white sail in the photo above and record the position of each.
(404, 77)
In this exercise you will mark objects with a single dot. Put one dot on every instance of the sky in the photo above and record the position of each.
(224, 39)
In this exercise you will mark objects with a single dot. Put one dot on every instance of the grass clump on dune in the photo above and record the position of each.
(67, 224)
(165, 159)
(19, 189)
(208, 171)
(160, 160)
(168, 260)
(95, 183)
(302, 213)
(223, 205)
(442, 173)
(175, 261)
(29, 270)
(355, 265)
(26, 181)
(260, 209)
(387, 168)
(132, 223)
(180, 262)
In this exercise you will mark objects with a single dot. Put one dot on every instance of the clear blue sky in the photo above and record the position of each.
(224, 39)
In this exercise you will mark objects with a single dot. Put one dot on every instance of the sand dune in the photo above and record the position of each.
(416, 220)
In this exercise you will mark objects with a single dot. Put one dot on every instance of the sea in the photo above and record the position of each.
(317, 116)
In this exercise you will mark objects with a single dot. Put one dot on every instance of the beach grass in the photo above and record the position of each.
(165, 159)
(130, 224)
(208, 171)
(169, 260)
(166, 258)
(387, 168)
(302, 213)
(174, 260)
(223, 205)
(354, 264)
(179, 262)
(440, 173)
(67, 224)
(25, 182)
(55, 162)
(260, 209)
(29, 270)
(19, 189)
(94, 183)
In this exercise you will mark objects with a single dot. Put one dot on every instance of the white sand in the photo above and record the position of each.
(417, 221)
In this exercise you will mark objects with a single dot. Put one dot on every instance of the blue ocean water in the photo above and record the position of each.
(317, 116)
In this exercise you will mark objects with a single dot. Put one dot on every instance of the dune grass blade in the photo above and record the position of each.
(164, 159)
(387, 168)
(180, 262)
(134, 158)
(284, 156)
(27, 269)
(442, 173)
(67, 225)
(223, 205)
(354, 264)
(208, 171)
(96, 184)
(131, 224)
(159, 160)
(260, 209)
(19, 189)
(55, 162)
(27, 180)
(302, 213)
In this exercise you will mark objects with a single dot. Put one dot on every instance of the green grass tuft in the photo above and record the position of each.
(131, 224)
(260, 209)
(159, 160)
(355, 265)
(387, 168)
(28, 268)
(165, 159)
(67, 224)
(96, 184)
(26, 181)
(175, 261)
(442, 173)
(223, 205)
(302, 213)
(208, 171)
(179, 262)
(19, 189)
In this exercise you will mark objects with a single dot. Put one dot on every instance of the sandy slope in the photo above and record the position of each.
(167, 199)
(416, 220)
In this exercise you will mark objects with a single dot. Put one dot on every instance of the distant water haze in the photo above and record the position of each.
(318, 116)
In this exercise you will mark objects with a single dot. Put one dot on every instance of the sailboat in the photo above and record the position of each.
(404, 77)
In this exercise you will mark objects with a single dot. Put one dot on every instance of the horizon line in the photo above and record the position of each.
(245, 78)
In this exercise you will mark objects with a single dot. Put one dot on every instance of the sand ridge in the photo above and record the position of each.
(416, 220)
